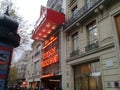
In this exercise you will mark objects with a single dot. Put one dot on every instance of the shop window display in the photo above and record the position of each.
(88, 76)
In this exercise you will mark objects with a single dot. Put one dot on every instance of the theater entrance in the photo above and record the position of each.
(51, 82)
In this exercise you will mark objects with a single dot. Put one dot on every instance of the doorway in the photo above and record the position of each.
(88, 76)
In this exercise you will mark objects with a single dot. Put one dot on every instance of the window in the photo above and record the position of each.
(75, 41)
(37, 50)
(23, 70)
(90, 3)
(92, 33)
(88, 76)
(74, 11)
(36, 67)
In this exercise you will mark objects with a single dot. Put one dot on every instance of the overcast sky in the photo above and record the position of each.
(30, 10)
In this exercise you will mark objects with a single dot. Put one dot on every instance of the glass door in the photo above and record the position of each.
(88, 77)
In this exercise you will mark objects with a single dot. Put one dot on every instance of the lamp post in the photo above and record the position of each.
(9, 39)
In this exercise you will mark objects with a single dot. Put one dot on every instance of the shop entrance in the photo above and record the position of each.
(89, 82)
(88, 76)
(52, 83)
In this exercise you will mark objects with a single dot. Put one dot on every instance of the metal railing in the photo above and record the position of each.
(92, 46)
(80, 13)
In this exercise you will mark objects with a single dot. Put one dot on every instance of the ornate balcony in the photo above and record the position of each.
(91, 46)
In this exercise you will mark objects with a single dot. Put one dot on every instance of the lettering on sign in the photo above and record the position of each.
(50, 61)
(47, 75)
(50, 54)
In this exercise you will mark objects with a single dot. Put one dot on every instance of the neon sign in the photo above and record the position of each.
(48, 75)
(49, 61)
(48, 42)
(50, 54)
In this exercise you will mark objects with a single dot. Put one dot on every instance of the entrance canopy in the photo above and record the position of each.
(48, 21)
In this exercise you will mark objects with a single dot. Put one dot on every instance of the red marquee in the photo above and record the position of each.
(48, 21)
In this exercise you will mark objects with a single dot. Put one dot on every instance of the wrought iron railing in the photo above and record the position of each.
(92, 46)
(80, 13)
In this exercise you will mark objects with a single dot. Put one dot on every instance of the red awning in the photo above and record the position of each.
(49, 19)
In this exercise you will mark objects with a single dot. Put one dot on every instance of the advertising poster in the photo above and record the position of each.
(2, 84)
(5, 51)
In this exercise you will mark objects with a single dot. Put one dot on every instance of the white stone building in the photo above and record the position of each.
(33, 66)
(90, 45)
(48, 32)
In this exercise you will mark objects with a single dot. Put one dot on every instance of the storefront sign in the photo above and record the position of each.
(48, 75)
(50, 52)
(50, 61)
(50, 41)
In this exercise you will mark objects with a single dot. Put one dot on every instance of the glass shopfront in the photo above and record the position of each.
(88, 76)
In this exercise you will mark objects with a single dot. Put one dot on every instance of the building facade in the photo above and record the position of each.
(33, 67)
(90, 45)
(29, 70)
(21, 66)
(47, 31)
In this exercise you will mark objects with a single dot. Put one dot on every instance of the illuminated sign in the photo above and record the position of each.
(49, 61)
(48, 75)
(48, 42)
(50, 54)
